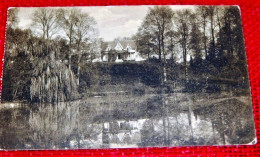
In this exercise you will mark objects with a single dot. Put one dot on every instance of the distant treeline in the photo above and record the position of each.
(207, 38)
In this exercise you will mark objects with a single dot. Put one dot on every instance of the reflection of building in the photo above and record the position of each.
(120, 51)
(122, 132)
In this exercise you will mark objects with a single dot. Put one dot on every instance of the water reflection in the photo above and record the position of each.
(127, 121)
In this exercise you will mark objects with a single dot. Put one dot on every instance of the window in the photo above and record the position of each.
(119, 56)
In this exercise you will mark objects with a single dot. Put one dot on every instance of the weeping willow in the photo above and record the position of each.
(52, 81)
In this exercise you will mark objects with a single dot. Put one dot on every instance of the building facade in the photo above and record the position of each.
(120, 51)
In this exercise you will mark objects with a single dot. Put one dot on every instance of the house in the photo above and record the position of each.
(120, 51)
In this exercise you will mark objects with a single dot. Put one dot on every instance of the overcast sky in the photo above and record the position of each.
(112, 21)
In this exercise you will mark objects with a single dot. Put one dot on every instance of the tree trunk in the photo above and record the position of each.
(220, 32)
(164, 59)
(70, 42)
(205, 40)
(78, 70)
(159, 48)
(212, 32)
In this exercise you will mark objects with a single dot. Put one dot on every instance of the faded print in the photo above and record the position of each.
(124, 76)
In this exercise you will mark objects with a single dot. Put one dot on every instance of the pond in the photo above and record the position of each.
(125, 120)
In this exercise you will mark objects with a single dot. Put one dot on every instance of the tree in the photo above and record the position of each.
(195, 45)
(219, 46)
(171, 42)
(12, 19)
(159, 20)
(78, 28)
(85, 32)
(45, 20)
(67, 20)
(145, 41)
(51, 81)
(183, 29)
(202, 10)
(195, 41)
(16, 77)
(230, 44)
(84, 26)
(232, 33)
(211, 10)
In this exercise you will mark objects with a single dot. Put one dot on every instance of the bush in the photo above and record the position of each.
(193, 86)
(120, 73)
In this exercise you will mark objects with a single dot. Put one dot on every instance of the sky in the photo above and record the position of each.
(112, 21)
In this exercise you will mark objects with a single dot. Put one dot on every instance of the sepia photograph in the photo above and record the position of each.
(124, 77)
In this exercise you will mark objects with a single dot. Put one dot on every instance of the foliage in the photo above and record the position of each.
(45, 20)
(12, 19)
(52, 82)
(157, 22)
(33, 72)
(65, 64)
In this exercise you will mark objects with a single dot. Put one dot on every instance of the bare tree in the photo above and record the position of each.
(85, 32)
(45, 20)
(67, 20)
(84, 26)
(78, 28)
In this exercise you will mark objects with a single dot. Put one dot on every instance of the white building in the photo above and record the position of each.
(120, 51)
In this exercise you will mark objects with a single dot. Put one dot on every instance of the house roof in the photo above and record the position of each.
(123, 43)
(111, 44)
(131, 43)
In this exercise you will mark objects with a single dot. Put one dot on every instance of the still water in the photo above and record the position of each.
(127, 121)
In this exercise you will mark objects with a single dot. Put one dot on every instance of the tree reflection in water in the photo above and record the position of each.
(127, 121)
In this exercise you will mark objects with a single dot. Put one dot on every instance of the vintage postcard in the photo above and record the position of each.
(124, 76)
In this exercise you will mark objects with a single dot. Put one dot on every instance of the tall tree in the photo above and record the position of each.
(159, 21)
(232, 32)
(45, 20)
(219, 14)
(84, 26)
(78, 28)
(145, 41)
(171, 42)
(183, 28)
(195, 41)
(67, 20)
(85, 32)
(211, 13)
(202, 10)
